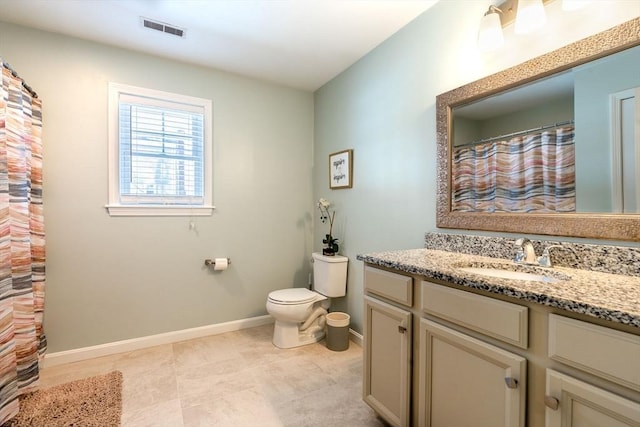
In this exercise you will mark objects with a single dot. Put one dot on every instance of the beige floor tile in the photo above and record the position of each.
(203, 385)
(150, 388)
(286, 380)
(234, 379)
(60, 374)
(244, 408)
(140, 361)
(165, 414)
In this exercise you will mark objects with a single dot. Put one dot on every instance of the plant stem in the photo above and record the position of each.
(331, 224)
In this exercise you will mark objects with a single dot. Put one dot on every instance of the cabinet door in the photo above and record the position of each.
(465, 382)
(387, 360)
(573, 403)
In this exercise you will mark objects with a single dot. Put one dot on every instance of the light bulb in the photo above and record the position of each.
(530, 16)
(569, 5)
(490, 35)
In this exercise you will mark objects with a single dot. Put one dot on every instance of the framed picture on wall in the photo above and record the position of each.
(341, 169)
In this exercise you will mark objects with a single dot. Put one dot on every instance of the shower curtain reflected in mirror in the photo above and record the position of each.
(22, 242)
(530, 173)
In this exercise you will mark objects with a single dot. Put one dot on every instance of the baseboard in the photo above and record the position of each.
(68, 356)
(356, 337)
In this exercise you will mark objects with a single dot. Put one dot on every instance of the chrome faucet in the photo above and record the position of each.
(525, 253)
(545, 259)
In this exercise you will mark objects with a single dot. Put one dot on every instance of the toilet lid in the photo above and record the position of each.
(292, 296)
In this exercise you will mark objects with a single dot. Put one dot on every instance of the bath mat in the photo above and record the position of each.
(89, 402)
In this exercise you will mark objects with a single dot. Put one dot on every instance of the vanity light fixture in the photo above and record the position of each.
(490, 33)
(530, 16)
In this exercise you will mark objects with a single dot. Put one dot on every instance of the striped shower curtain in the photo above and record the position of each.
(530, 173)
(22, 249)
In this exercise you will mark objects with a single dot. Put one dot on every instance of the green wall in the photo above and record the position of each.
(383, 107)
(116, 278)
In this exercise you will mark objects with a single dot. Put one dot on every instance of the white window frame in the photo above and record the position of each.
(114, 206)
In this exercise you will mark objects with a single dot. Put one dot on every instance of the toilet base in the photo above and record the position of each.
(289, 335)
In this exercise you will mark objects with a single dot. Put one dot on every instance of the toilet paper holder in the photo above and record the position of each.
(212, 262)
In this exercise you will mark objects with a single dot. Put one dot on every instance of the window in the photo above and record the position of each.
(159, 153)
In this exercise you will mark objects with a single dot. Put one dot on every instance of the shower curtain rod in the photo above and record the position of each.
(520, 132)
(24, 85)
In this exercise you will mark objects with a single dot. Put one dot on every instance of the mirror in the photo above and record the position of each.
(531, 150)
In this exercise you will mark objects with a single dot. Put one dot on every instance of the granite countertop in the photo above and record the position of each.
(611, 297)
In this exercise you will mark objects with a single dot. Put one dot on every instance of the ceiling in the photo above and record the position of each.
(538, 93)
(297, 43)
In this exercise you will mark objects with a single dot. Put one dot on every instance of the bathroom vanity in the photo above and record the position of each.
(444, 346)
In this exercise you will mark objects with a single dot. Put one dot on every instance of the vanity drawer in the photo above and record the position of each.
(601, 351)
(498, 319)
(393, 286)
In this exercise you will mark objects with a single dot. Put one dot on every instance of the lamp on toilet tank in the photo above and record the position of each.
(326, 214)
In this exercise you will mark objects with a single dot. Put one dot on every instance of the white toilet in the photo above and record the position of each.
(299, 312)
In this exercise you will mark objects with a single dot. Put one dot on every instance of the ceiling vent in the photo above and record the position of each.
(162, 27)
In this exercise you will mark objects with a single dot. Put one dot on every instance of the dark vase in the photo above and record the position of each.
(332, 247)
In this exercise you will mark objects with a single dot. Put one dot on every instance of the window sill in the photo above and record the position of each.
(121, 210)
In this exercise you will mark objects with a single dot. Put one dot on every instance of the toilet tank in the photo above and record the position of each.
(330, 275)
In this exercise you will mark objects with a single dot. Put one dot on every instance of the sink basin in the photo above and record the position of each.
(507, 274)
(513, 272)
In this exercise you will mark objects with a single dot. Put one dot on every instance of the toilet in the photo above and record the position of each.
(299, 312)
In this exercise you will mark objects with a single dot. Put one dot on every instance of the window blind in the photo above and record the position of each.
(161, 152)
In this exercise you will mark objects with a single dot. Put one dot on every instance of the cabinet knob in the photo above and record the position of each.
(402, 329)
(551, 402)
(511, 382)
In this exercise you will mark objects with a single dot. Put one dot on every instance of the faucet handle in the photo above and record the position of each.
(520, 256)
(545, 259)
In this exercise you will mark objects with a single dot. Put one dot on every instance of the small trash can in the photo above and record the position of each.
(338, 331)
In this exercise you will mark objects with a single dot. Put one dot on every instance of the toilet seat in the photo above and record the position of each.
(292, 296)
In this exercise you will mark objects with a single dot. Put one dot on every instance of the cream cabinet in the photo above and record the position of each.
(574, 403)
(479, 359)
(601, 354)
(387, 361)
(464, 380)
(388, 344)
(467, 382)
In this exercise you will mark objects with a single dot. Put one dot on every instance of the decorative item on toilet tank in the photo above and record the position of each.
(326, 214)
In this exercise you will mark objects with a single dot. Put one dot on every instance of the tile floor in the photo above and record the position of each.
(233, 379)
